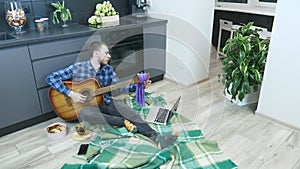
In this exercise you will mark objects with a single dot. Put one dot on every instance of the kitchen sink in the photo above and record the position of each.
(7, 36)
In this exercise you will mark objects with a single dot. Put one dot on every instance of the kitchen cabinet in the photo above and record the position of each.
(33, 56)
(51, 56)
(19, 97)
(26, 92)
(155, 50)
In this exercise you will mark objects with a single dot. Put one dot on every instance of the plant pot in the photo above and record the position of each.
(249, 98)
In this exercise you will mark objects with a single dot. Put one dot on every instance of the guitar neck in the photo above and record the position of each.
(113, 87)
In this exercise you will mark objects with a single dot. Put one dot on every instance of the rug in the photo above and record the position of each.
(118, 148)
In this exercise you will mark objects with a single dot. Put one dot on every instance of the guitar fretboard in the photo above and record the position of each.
(113, 87)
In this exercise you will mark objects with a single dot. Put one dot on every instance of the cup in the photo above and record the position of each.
(80, 129)
(45, 22)
(41, 24)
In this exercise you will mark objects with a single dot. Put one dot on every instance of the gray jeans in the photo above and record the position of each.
(114, 114)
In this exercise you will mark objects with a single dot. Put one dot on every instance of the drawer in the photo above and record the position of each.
(44, 67)
(48, 49)
(44, 99)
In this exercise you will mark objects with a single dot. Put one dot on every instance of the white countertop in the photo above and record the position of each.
(246, 9)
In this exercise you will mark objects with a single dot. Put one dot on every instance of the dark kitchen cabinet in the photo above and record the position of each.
(26, 62)
(51, 56)
(19, 97)
(155, 51)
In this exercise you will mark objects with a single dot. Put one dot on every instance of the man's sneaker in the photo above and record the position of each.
(130, 127)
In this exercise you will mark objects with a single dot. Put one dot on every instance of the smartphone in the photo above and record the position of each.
(83, 149)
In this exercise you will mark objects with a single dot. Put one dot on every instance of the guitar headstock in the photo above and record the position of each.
(137, 80)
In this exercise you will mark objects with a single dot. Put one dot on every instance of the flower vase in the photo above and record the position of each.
(64, 25)
(63, 17)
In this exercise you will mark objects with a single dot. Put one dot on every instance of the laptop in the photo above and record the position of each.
(159, 115)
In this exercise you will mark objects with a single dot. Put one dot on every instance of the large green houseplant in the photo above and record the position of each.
(244, 64)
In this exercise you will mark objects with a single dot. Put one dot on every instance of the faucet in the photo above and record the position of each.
(143, 4)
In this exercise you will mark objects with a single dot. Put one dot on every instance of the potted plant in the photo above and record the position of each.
(64, 12)
(244, 64)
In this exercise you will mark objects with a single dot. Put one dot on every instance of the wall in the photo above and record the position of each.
(81, 10)
(189, 32)
(280, 95)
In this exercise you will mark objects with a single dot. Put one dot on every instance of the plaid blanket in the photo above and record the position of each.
(121, 149)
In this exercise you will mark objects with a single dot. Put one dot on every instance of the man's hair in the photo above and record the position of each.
(96, 46)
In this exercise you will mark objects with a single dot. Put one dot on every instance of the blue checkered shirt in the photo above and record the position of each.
(80, 71)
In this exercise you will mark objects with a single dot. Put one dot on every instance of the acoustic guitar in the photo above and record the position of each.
(68, 110)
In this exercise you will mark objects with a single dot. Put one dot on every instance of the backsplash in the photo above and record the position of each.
(81, 10)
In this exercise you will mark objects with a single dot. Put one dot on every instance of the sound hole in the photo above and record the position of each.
(88, 93)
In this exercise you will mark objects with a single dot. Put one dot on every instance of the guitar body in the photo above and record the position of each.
(64, 106)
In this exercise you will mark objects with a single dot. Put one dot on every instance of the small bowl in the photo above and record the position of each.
(56, 130)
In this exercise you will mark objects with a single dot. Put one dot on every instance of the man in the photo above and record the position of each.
(111, 112)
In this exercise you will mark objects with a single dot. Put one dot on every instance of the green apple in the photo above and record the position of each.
(92, 20)
(99, 7)
(104, 10)
(97, 13)
(98, 20)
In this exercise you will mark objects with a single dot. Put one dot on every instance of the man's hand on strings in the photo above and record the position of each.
(77, 97)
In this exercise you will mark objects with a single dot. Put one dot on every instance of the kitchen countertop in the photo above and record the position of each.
(74, 30)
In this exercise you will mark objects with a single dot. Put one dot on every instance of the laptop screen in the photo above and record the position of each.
(175, 106)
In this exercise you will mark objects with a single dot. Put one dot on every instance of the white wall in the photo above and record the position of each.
(189, 32)
(280, 94)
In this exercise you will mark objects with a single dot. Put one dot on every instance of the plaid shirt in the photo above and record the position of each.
(82, 70)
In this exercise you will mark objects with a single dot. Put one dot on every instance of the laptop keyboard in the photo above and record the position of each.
(161, 115)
